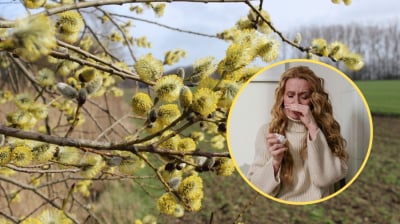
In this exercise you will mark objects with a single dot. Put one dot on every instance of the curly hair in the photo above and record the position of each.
(321, 110)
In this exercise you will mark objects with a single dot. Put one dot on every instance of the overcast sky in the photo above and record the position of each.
(287, 15)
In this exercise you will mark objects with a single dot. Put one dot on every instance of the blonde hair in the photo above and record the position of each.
(321, 110)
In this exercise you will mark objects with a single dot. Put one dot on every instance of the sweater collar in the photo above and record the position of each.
(295, 125)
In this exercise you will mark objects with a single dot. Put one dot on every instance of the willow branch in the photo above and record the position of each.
(81, 5)
(30, 170)
(110, 67)
(100, 43)
(96, 123)
(112, 126)
(281, 36)
(9, 217)
(245, 208)
(128, 44)
(108, 113)
(165, 26)
(84, 143)
(38, 193)
(92, 56)
(107, 69)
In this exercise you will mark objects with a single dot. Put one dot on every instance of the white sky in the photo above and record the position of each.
(287, 15)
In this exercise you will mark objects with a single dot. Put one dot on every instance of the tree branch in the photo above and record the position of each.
(80, 5)
(84, 143)
(282, 37)
(110, 68)
(165, 26)
(38, 193)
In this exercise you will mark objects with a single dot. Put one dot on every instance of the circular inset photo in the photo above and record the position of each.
(300, 132)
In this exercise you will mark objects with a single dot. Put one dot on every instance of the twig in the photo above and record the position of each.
(108, 69)
(109, 114)
(112, 126)
(38, 193)
(280, 34)
(86, 209)
(282, 37)
(30, 170)
(74, 122)
(96, 123)
(100, 43)
(81, 5)
(33, 211)
(128, 74)
(9, 217)
(7, 199)
(122, 32)
(165, 26)
(247, 206)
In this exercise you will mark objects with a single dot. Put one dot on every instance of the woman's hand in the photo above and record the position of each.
(305, 114)
(277, 151)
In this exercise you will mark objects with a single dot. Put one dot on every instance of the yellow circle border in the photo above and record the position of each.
(370, 137)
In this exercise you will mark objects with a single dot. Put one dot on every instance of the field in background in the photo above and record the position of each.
(382, 96)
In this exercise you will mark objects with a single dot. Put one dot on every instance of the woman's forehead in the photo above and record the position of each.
(297, 85)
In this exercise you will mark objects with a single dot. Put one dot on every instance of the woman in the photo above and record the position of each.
(307, 165)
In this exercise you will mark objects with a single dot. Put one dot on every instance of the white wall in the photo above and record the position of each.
(253, 105)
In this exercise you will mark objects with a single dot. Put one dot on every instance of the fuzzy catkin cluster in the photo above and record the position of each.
(188, 196)
(32, 37)
(337, 51)
(69, 25)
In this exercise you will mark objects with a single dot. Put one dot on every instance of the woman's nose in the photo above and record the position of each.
(296, 99)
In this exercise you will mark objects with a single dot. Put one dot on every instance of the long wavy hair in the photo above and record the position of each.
(321, 108)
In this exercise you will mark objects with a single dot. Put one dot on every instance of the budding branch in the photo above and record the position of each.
(84, 143)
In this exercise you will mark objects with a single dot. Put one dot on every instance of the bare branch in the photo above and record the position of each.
(81, 5)
(128, 44)
(38, 193)
(30, 170)
(165, 26)
(84, 143)
(110, 68)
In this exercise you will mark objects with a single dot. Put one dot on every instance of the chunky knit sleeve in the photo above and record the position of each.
(261, 172)
(325, 168)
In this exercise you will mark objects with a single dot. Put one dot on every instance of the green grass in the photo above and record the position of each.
(382, 95)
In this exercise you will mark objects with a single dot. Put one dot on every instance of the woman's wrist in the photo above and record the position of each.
(276, 165)
(312, 129)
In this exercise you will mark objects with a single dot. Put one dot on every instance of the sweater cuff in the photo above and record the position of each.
(264, 179)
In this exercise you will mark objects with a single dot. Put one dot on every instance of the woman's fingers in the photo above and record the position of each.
(276, 149)
(303, 109)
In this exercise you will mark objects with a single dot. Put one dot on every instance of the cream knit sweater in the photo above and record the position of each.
(314, 177)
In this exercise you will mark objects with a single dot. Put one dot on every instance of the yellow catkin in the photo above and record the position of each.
(168, 88)
(21, 155)
(204, 101)
(141, 104)
(149, 68)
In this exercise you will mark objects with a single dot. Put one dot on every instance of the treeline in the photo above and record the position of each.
(379, 44)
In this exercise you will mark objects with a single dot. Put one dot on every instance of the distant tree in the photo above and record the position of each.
(64, 125)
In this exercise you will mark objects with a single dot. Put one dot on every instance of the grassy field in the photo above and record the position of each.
(382, 95)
